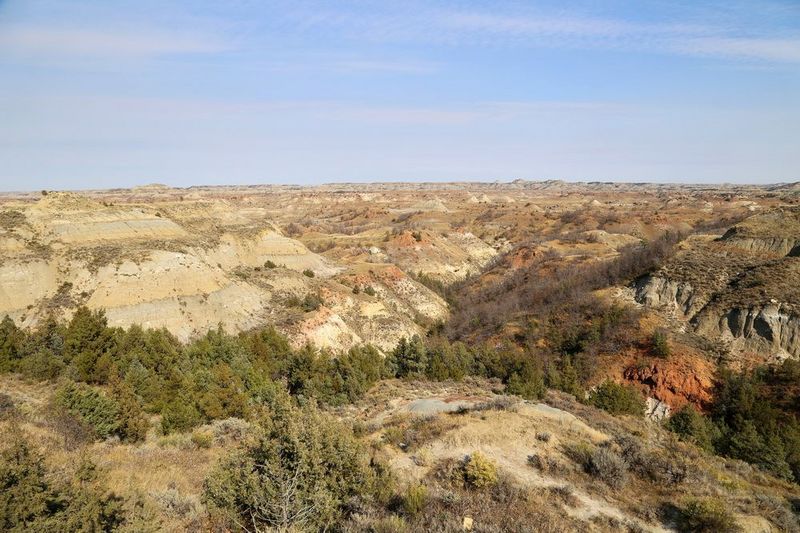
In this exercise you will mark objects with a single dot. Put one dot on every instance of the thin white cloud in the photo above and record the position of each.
(777, 50)
(537, 25)
(692, 35)
(61, 42)
(388, 66)
(202, 111)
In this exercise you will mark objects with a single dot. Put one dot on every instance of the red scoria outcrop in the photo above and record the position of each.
(676, 381)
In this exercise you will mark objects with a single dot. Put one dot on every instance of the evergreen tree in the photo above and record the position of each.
(87, 339)
(693, 427)
(618, 399)
(298, 474)
(25, 497)
(570, 383)
(133, 422)
(180, 414)
(745, 443)
(411, 357)
(11, 340)
(33, 499)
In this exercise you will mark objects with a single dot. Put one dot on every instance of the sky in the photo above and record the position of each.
(116, 93)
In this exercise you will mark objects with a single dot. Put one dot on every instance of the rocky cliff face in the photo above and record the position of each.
(776, 232)
(665, 293)
(773, 329)
(743, 288)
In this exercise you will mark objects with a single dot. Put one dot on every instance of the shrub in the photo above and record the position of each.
(88, 404)
(7, 409)
(601, 463)
(230, 429)
(42, 365)
(415, 499)
(389, 524)
(546, 464)
(393, 435)
(579, 452)
(660, 344)
(179, 415)
(479, 471)
(299, 472)
(202, 439)
(311, 302)
(34, 499)
(618, 399)
(707, 516)
(607, 466)
(369, 290)
(424, 429)
(182, 441)
(269, 264)
(565, 493)
(308, 273)
(692, 427)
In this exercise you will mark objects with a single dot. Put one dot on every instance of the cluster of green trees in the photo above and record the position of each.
(216, 376)
(754, 417)
(34, 498)
(221, 375)
(523, 373)
(302, 471)
(113, 377)
(118, 413)
(617, 399)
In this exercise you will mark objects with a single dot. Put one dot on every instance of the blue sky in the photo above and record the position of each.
(119, 93)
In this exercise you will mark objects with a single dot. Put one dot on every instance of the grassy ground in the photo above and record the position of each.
(543, 453)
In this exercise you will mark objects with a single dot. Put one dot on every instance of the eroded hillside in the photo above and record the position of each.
(741, 287)
(189, 259)
(563, 357)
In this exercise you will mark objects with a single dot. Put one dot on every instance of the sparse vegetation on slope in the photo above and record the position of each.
(524, 409)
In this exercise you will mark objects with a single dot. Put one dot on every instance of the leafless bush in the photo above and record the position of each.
(230, 429)
(606, 465)
(499, 403)
(7, 408)
(600, 462)
(71, 430)
(778, 512)
(11, 219)
(176, 504)
(547, 464)
(528, 290)
(565, 493)
(294, 230)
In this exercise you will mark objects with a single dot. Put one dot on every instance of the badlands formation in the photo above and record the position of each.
(552, 317)
(340, 265)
